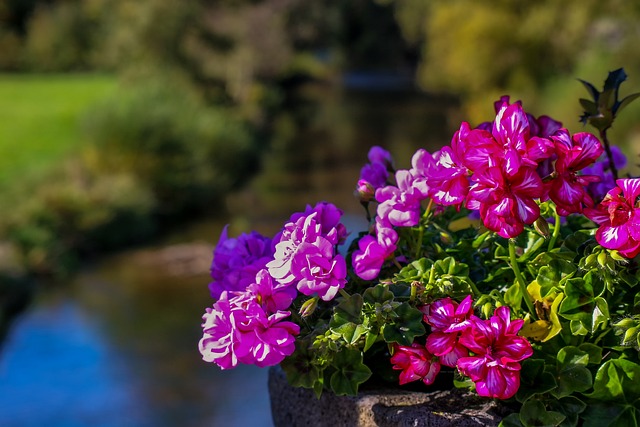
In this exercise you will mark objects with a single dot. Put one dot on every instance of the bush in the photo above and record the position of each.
(73, 215)
(187, 154)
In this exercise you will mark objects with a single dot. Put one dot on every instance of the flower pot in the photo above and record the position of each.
(292, 406)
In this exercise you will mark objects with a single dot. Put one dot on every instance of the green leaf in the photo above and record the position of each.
(350, 372)
(572, 374)
(617, 380)
(626, 101)
(511, 420)
(578, 327)
(513, 296)
(378, 294)
(534, 380)
(534, 413)
(350, 332)
(570, 406)
(370, 340)
(594, 352)
(406, 327)
(609, 415)
(349, 309)
(299, 369)
(600, 313)
(591, 89)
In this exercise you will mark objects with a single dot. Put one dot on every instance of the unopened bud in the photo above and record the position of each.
(308, 307)
(365, 191)
(542, 227)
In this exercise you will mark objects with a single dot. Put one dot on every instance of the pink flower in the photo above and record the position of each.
(506, 202)
(510, 142)
(415, 362)
(568, 189)
(270, 295)
(238, 330)
(447, 320)
(373, 251)
(305, 257)
(498, 351)
(400, 206)
(318, 269)
(449, 177)
(328, 218)
(619, 218)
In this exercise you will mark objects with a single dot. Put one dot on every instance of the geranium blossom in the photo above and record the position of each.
(270, 295)
(416, 363)
(568, 189)
(448, 320)
(319, 270)
(449, 177)
(238, 330)
(237, 260)
(305, 255)
(373, 251)
(498, 351)
(400, 206)
(506, 202)
(619, 218)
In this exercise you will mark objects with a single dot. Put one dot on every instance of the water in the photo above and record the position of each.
(118, 345)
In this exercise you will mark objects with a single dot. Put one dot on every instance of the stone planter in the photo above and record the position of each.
(291, 407)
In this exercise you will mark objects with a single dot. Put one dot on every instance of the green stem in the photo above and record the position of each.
(556, 229)
(344, 293)
(520, 279)
(474, 289)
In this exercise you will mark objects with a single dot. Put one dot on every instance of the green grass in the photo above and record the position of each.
(39, 120)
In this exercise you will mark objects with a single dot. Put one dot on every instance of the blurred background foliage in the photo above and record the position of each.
(203, 89)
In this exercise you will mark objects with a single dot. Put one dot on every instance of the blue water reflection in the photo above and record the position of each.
(58, 370)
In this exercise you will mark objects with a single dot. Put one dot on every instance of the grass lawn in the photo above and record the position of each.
(39, 120)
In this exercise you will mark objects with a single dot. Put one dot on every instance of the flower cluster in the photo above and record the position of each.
(255, 281)
(509, 259)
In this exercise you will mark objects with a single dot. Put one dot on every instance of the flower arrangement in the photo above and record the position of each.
(508, 259)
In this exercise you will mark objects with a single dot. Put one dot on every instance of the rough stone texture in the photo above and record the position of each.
(292, 407)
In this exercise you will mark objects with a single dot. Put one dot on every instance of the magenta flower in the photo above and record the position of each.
(510, 143)
(543, 126)
(420, 173)
(270, 294)
(319, 270)
(400, 206)
(373, 251)
(505, 202)
(448, 320)
(238, 330)
(497, 352)
(380, 155)
(305, 256)
(416, 363)
(304, 229)
(328, 216)
(449, 177)
(237, 260)
(568, 189)
(619, 218)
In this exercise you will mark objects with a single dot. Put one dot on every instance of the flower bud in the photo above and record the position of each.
(630, 337)
(542, 227)
(364, 191)
(308, 307)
